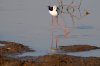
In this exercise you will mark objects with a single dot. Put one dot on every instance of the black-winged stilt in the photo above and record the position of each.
(54, 12)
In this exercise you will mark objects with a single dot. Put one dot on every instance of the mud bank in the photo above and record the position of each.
(78, 48)
(10, 48)
(51, 60)
(13, 48)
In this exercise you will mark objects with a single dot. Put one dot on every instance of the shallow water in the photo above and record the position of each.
(2, 45)
(28, 22)
(91, 53)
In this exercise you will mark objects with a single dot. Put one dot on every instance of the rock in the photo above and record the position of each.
(13, 48)
(78, 48)
(52, 60)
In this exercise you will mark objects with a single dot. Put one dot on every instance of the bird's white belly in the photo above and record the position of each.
(53, 13)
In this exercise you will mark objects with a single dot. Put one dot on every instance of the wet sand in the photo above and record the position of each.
(13, 48)
(78, 48)
(46, 60)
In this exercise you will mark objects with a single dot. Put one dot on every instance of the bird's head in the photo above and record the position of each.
(50, 8)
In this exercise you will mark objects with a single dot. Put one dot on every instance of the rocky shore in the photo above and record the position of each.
(10, 48)
(13, 48)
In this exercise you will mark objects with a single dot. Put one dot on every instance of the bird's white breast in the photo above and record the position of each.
(53, 13)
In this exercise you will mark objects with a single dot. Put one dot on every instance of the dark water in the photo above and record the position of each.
(28, 22)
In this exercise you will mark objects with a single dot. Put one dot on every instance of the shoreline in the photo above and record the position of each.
(13, 48)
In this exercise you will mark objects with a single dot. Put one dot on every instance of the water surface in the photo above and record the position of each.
(28, 22)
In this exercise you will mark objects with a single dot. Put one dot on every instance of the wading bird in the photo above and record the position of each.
(54, 12)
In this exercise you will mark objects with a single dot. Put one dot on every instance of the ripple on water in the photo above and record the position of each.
(84, 27)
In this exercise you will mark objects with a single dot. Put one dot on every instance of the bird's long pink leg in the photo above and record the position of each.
(52, 32)
(56, 32)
